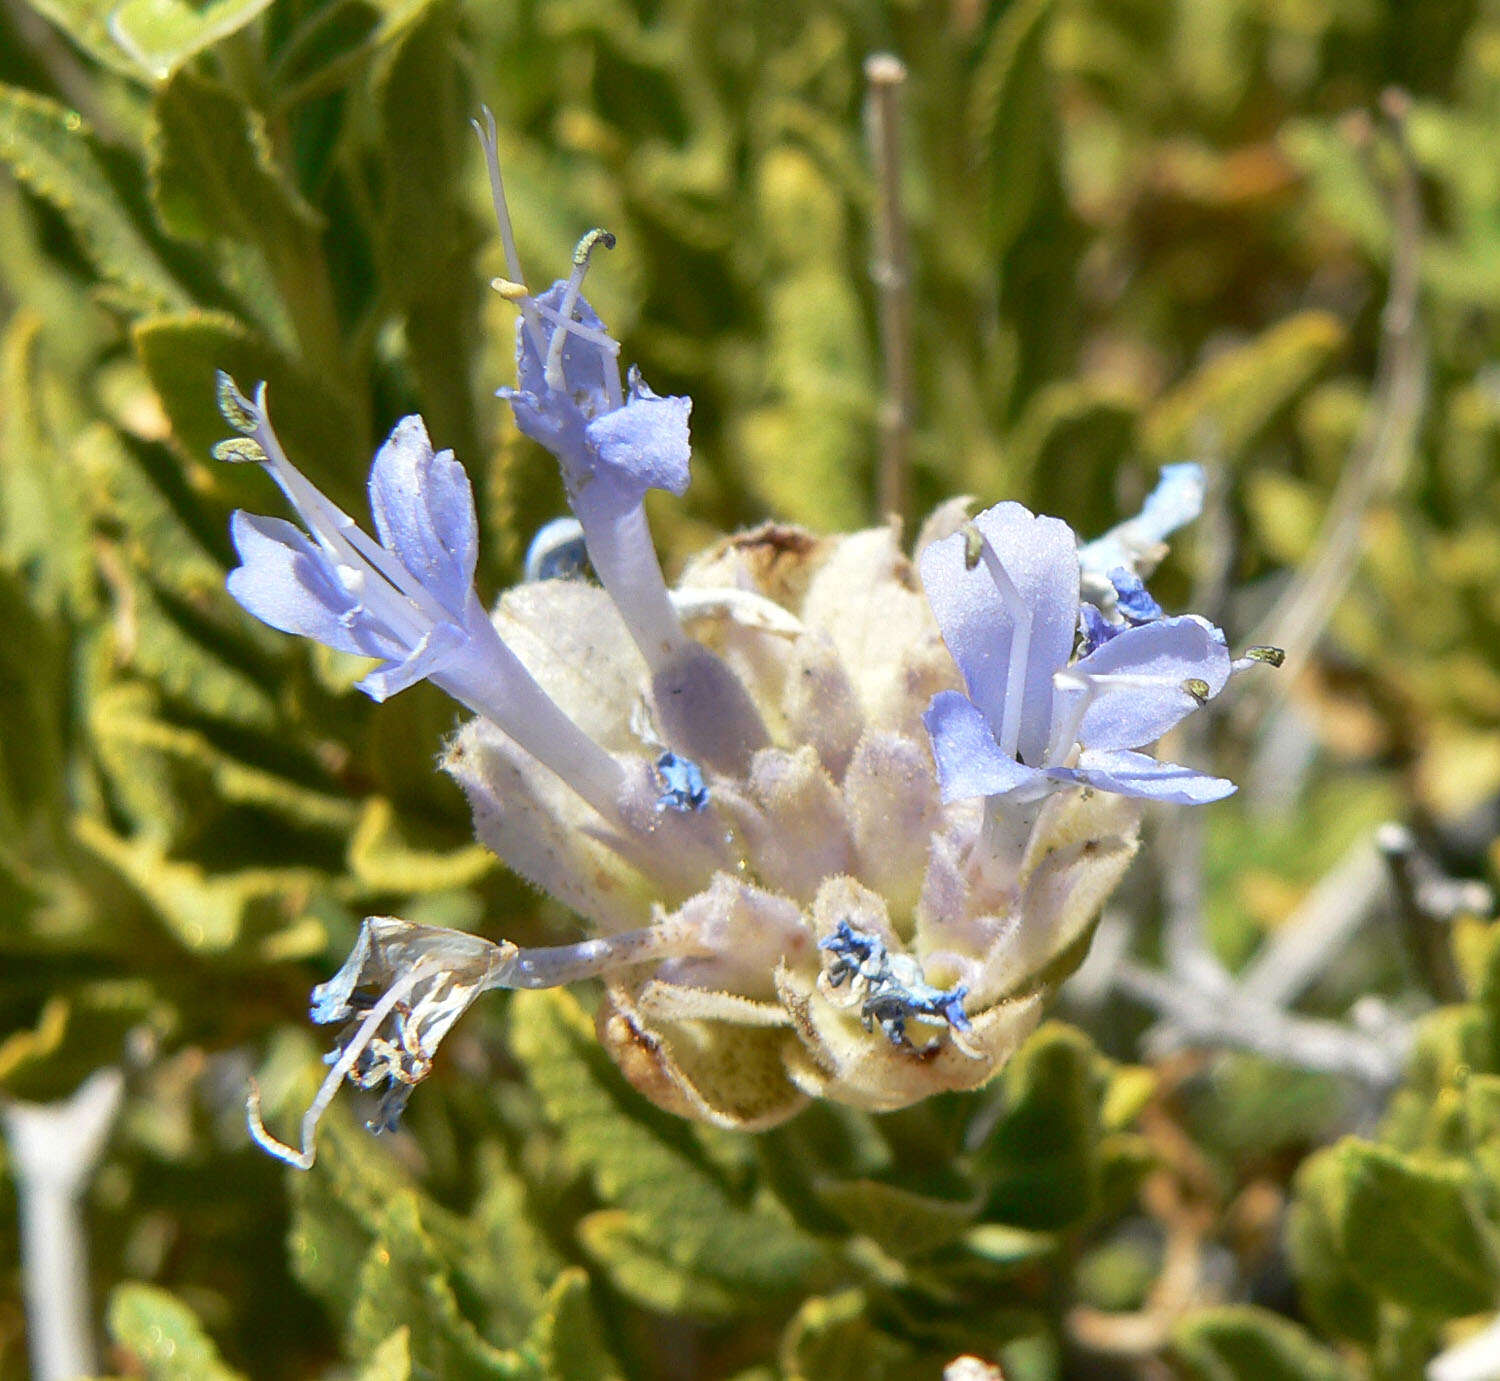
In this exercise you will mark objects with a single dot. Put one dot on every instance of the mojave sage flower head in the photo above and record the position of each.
(835, 818)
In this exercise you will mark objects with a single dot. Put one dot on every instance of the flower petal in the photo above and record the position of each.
(969, 761)
(1136, 774)
(287, 582)
(1040, 557)
(1140, 691)
(439, 648)
(424, 512)
(644, 445)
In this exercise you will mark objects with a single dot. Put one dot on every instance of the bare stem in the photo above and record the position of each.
(1229, 1020)
(54, 1149)
(1381, 450)
(886, 74)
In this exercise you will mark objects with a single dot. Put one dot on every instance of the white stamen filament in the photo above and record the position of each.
(1009, 736)
(489, 142)
(556, 379)
(348, 1058)
(1065, 729)
(602, 340)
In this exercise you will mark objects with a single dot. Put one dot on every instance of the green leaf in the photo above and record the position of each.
(53, 152)
(206, 912)
(1011, 116)
(130, 734)
(1231, 399)
(391, 1361)
(1285, 514)
(643, 1163)
(217, 180)
(1241, 1343)
(1007, 1247)
(163, 1336)
(1411, 1230)
(511, 1264)
(44, 531)
(632, 1259)
(404, 1280)
(214, 172)
(567, 1334)
(162, 34)
(338, 1208)
(831, 1338)
(819, 403)
(1339, 1304)
(903, 1223)
(319, 53)
(1042, 1159)
(382, 861)
(427, 235)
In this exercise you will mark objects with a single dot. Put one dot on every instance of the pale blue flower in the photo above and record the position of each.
(1006, 595)
(408, 598)
(611, 443)
(557, 552)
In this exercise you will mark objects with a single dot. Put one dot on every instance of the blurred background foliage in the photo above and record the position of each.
(1141, 232)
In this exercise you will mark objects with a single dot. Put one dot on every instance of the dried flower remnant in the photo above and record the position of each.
(836, 818)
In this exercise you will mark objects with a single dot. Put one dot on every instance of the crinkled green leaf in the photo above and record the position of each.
(217, 180)
(1229, 400)
(1010, 117)
(567, 1336)
(163, 34)
(44, 531)
(163, 1337)
(51, 150)
(820, 402)
(135, 741)
(391, 1360)
(1042, 1158)
(831, 1338)
(381, 860)
(902, 1222)
(214, 172)
(204, 911)
(633, 1259)
(403, 1280)
(642, 1165)
(1411, 1230)
(321, 50)
(427, 235)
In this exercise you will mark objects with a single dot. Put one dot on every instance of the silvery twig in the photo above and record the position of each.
(54, 1149)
